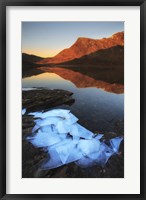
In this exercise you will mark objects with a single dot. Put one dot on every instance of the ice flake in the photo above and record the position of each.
(74, 130)
(84, 133)
(115, 143)
(93, 156)
(53, 160)
(56, 113)
(70, 119)
(48, 121)
(80, 131)
(105, 152)
(36, 127)
(52, 113)
(28, 89)
(99, 136)
(35, 114)
(64, 150)
(47, 128)
(88, 146)
(76, 139)
(45, 139)
(63, 136)
(74, 155)
(85, 162)
(23, 111)
(62, 127)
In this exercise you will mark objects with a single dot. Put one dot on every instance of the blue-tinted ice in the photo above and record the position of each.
(67, 141)
(23, 111)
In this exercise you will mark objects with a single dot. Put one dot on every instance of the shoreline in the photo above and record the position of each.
(32, 157)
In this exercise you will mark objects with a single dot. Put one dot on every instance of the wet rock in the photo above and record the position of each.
(43, 99)
(109, 135)
(31, 159)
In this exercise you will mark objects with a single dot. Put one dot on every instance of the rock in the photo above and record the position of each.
(43, 99)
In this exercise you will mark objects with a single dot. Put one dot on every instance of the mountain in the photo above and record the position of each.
(111, 56)
(84, 46)
(27, 58)
(29, 64)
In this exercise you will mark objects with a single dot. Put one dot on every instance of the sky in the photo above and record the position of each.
(46, 39)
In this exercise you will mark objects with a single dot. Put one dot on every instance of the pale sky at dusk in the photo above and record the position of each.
(46, 39)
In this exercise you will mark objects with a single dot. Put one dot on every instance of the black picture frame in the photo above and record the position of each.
(3, 127)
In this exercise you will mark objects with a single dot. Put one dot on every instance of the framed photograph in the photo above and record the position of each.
(72, 99)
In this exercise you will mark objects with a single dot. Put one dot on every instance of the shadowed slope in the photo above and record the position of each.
(110, 56)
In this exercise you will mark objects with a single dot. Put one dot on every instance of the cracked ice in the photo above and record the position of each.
(66, 141)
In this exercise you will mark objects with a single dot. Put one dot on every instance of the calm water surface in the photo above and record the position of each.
(96, 109)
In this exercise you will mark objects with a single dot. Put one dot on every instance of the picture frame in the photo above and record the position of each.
(4, 92)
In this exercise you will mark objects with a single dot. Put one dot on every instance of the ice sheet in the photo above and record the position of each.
(67, 141)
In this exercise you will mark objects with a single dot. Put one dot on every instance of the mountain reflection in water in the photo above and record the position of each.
(82, 81)
(97, 109)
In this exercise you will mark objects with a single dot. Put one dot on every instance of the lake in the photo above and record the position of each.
(98, 104)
